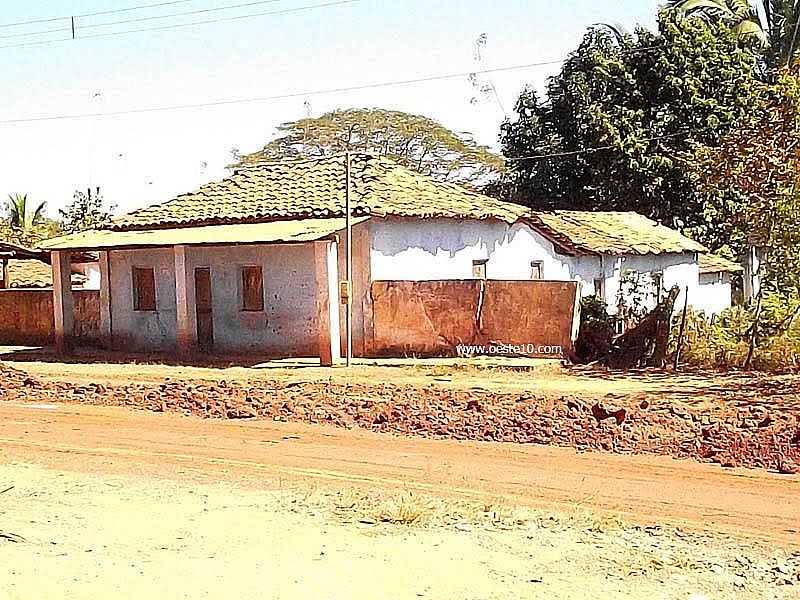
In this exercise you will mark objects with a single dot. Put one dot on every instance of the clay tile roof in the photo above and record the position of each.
(34, 274)
(614, 233)
(714, 263)
(314, 188)
(12, 250)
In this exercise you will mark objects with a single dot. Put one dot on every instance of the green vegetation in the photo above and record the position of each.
(622, 116)
(415, 141)
(725, 342)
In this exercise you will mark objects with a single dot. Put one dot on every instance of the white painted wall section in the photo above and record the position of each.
(425, 249)
(714, 293)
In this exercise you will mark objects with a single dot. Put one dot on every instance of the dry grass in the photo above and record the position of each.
(406, 509)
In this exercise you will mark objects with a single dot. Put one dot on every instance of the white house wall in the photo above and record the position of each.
(412, 249)
(714, 293)
(287, 326)
(418, 250)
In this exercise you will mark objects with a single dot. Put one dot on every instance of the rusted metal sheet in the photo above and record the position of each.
(439, 318)
(26, 316)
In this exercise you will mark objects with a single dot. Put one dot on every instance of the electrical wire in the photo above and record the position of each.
(319, 92)
(190, 24)
(180, 14)
(94, 14)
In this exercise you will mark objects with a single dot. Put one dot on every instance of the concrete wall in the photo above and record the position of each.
(676, 269)
(26, 316)
(418, 250)
(287, 326)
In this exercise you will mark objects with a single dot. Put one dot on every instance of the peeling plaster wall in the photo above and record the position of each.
(430, 249)
(432, 318)
(286, 327)
(26, 316)
(143, 331)
(288, 324)
(418, 250)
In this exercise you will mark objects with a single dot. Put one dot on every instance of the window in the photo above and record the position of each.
(537, 269)
(599, 288)
(252, 289)
(144, 288)
(479, 268)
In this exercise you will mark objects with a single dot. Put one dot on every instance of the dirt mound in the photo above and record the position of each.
(737, 436)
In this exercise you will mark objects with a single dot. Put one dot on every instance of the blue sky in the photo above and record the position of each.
(146, 158)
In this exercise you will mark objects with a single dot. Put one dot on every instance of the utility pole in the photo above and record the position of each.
(349, 261)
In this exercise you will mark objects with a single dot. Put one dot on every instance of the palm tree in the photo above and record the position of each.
(19, 217)
(772, 23)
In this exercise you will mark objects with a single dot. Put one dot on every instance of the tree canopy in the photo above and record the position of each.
(761, 162)
(87, 210)
(773, 24)
(415, 141)
(25, 223)
(623, 111)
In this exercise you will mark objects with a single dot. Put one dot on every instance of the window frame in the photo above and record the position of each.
(136, 287)
(480, 264)
(243, 307)
(537, 264)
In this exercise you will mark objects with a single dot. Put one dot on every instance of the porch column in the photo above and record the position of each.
(326, 275)
(63, 306)
(186, 330)
(106, 335)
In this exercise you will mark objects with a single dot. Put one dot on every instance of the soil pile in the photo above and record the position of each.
(737, 434)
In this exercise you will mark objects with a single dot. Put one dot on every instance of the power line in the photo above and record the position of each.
(94, 14)
(320, 92)
(190, 24)
(222, 20)
(180, 14)
(28, 33)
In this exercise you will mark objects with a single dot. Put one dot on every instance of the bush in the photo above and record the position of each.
(596, 331)
(724, 342)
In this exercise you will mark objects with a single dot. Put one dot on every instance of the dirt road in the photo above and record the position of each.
(268, 455)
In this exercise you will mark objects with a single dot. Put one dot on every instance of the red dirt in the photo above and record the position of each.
(738, 434)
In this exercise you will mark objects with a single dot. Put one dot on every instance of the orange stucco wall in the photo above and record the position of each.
(431, 318)
(26, 316)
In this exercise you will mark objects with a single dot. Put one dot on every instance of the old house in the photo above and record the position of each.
(252, 264)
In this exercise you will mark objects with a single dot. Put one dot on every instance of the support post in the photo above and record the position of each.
(349, 260)
(106, 334)
(682, 329)
(186, 325)
(63, 304)
(326, 275)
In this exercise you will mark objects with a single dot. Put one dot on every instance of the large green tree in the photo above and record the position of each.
(415, 141)
(616, 122)
(773, 24)
(762, 162)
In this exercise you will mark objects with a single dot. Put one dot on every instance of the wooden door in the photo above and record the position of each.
(205, 319)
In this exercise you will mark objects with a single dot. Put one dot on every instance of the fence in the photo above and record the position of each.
(451, 317)
(26, 316)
